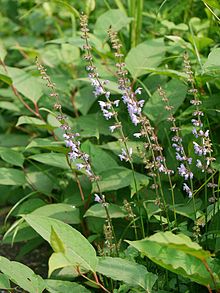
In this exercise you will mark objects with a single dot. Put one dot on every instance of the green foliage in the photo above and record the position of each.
(126, 271)
(68, 244)
(180, 255)
(21, 275)
(86, 214)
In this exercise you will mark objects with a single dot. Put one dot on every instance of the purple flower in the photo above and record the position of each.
(124, 155)
(189, 160)
(178, 157)
(116, 103)
(134, 119)
(73, 155)
(197, 122)
(198, 149)
(187, 189)
(97, 198)
(184, 172)
(138, 91)
(112, 128)
(194, 132)
(79, 166)
(107, 95)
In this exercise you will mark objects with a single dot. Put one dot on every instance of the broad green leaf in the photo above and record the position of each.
(4, 282)
(186, 209)
(114, 18)
(78, 251)
(26, 84)
(41, 181)
(84, 99)
(147, 54)
(154, 107)
(168, 72)
(126, 271)
(64, 212)
(12, 140)
(180, 255)
(58, 286)
(91, 125)
(172, 26)
(12, 157)
(99, 157)
(9, 176)
(22, 275)
(33, 121)
(213, 61)
(28, 206)
(51, 159)
(98, 211)
(46, 143)
(4, 77)
(116, 146)
(24, 233)
(9, 106)
(58, 260)
(56, 242)
(120, 177)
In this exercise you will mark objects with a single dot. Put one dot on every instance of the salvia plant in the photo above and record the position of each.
(115, 189)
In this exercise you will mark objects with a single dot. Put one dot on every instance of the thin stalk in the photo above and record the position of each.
(140, 5)
(206, 212)
(123, 138)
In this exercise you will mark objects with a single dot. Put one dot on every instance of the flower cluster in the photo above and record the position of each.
(70, 137)
(134, 107)
(203, 145)
(185, 162)
(108, 107)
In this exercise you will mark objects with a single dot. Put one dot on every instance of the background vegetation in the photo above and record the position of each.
(112, 229)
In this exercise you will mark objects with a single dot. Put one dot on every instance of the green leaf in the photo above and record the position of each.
(78, 251)
(12, 157)
(115, 147)
(9, 176)
(126, 271)
(51, 159)
(91, 125)
(154, 107)
(64, 212)
(26, 84)
(22, 275)
(9, 106)
(32, 121)
(180, 255)
(56, 242)
(85, 99)
(5, 78)
(147, 54)
(58, 286)
(213, 61)
(46, 143)
(98, 211)
(114, 18)
(41, 181)
(4, 282)
(120, 177)
(98, 157)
